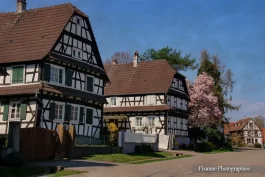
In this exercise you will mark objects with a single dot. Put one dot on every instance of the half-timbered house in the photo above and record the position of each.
(56, 75)
(247, 128)
(147, 97)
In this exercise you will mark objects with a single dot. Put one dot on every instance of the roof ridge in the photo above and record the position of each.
(39, 8)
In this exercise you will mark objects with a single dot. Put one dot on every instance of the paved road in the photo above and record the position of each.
(179, 167)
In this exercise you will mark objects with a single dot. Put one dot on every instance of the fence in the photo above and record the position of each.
(128, 141)
(38, 143)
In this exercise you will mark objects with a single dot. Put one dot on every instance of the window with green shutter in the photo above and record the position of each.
(89, 116)
(52, 111)
(81, 115)
(23, 111)
(18, 74)
(89, 84)
(67, 112)
(68, 77)
(6, 112)
(47, 72)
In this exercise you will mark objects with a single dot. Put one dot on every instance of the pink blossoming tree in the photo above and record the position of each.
(204, 107)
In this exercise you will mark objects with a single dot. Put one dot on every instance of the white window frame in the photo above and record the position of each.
(113, 100)
(151, 118)
(141, 122)
(76, 51)
(63, 78)
(78, 113)
(63, 111)
(10, 111)
(80, 19)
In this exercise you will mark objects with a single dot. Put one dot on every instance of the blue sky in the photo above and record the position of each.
(234, 30)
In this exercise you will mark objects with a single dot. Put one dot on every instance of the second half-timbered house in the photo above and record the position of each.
(147, 97)
(55, 73)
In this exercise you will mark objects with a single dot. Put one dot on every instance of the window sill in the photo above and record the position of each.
(14, 120)
(74, 122)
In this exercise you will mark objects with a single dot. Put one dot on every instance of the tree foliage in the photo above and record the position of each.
(121, 57)
(260, 121)
(113, 133)
(223, 78)
(237, 139)
(174, 57)
(203, 107)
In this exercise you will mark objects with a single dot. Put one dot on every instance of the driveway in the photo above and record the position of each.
(179, 167)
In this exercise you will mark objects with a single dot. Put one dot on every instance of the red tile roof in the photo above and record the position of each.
(34, 88)
(18, 90)
(136, 108)
(148, 77)
(32, 34)
(236, 126)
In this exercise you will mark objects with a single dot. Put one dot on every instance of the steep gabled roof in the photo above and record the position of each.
(236, 126)
(32, 34)
(148, 77)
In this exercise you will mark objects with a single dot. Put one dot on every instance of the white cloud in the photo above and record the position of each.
(256, 107)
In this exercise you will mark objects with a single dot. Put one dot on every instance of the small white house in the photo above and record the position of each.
(252, 133)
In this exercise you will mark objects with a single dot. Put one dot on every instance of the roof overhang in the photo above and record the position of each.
(115, 117)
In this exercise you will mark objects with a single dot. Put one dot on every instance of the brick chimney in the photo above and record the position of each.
(21, 6)
(135, 59)
(114, 61)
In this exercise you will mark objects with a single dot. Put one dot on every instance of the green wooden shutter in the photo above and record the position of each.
(89, 84)
(23, 111)
(81, 114)
(20, 75)
(47, 72)
(14, 75)
(67, 112)
(89, 116)
(68, 77)
(6, 111)
(60, 76)
(52, 111)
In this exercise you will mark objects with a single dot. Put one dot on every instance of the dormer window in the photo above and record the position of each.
(113, 101)
(77, 53)
(78, 21)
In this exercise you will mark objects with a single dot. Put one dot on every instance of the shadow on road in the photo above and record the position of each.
(72, 163)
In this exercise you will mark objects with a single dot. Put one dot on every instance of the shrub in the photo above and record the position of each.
(113, 134)
(204, 147)
(15, 159)
(147, 148)
(183, 146)
(138, 149)
(257, 145)
(190, 146)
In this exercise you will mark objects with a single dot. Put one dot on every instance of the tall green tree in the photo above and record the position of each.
(223, 78)
(174, 57)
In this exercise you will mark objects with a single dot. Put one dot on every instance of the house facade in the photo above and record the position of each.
(55, 73)
(263, 134)
(247, 128)
(147, 97)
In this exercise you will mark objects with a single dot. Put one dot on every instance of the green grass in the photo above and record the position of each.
(67, 173)
(219, 151)
(124, 158)
(21, 171)
(160, 159)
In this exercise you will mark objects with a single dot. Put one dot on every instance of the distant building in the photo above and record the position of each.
(149, 93)
(248, 128)
(263, 130)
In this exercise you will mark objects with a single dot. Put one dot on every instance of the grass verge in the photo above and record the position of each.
(160, 159)
(219, 151)
(124, 158)
(66, 173)
(21, 171)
